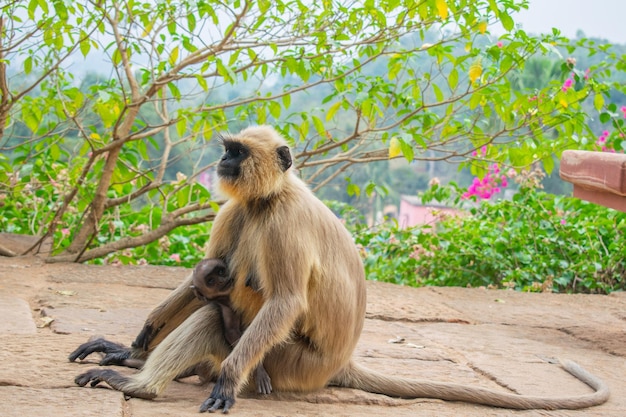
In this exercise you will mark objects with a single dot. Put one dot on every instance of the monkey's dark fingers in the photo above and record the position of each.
(145, 336)
(212, 404)
(97, 345)
(219, 403)
(116, 358)
(216, 406)
(206, 405)
(263, 381)
(264, 387)
(92, 377)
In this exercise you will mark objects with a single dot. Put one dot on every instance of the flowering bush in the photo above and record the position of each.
(534, 242)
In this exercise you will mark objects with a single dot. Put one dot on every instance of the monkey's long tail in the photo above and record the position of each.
(359, 377)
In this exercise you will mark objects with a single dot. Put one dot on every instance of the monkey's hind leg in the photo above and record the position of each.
(199, 338)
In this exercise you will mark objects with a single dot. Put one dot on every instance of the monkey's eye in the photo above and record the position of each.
(221, 272)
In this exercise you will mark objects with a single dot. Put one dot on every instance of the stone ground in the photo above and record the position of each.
(498, 339)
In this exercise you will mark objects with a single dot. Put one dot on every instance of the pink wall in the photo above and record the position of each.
(412, 215)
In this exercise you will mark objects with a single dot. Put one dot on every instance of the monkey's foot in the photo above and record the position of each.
(221, 398)
(115, 353)
(115, 380)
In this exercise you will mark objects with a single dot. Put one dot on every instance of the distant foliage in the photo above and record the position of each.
(534, 242)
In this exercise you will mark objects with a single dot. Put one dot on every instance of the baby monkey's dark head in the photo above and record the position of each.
(211, 279)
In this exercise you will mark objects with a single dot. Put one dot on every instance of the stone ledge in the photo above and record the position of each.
(16, 316)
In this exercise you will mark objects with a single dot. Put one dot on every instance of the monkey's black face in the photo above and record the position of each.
(234, 154)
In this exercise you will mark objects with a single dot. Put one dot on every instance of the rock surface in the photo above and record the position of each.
(502, 340)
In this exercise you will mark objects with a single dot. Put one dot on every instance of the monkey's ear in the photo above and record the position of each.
(285, 157)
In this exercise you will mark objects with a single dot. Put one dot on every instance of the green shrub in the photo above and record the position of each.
(534, 242)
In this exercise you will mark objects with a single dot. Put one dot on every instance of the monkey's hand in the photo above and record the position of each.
(145, 336)
(115, 353)
(116, 380)
(94, 376)
(222, 397)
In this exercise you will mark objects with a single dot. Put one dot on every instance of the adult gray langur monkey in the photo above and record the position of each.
(299, 287)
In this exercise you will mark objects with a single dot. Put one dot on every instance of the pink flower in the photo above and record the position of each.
(65, 232)
(563, 221)
(499, 44)
(487, 187)
(175, 257)
(567, 84)
(602, 139)
(484, 150)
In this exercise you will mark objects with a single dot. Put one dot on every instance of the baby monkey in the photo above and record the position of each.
(211, 282)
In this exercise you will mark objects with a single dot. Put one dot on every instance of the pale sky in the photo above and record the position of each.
(597, 18)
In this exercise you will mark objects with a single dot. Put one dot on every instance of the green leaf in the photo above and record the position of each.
(85, 45)
(30, 118)
(191, 22)
(174, 56)
(507, 22)
(55, 152)
(548, 164)
(605, 117)
(393, 71)
(60, 10)
(116, 57)
(353, 190)
(438, 92)
(598, 101)
(286, 101)
(333, 109)
(202, 82)
(407, 150)
(520, 157)
(182, 196)
(453, 78)
(261, 114)
(174, 90)
(225, 72)
(181, 127)
(32, 8)
(275, 109)
(319, 126)
(28, 65)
